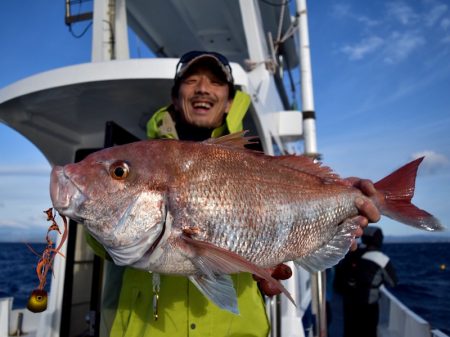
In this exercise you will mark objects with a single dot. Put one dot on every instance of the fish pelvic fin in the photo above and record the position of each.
(218, 289)
(333, 251)
(214, 261)
(394, 200)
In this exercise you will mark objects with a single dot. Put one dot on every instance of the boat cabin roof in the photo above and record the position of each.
(170, 28)
(69, 106)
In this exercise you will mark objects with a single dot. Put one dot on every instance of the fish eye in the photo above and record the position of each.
(119, 170)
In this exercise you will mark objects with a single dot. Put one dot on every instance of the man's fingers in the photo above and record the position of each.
(268, 288)
(362, 222)
(366, 186)
(367, 209)
(282, 272)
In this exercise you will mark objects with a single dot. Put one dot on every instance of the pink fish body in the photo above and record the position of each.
(206, 210)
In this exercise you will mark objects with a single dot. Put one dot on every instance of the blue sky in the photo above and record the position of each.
(381, 75)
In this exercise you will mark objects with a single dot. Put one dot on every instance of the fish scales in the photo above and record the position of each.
(234, 199)
(206, 210)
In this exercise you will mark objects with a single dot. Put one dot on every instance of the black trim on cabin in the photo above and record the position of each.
(309, 114)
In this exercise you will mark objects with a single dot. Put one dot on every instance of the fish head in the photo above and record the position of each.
(118, 194)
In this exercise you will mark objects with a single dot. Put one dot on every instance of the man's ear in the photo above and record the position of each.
(176, 103)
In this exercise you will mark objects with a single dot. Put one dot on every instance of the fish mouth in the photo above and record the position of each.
(65, 195)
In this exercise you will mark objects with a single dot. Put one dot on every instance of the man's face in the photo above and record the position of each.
(203, 97)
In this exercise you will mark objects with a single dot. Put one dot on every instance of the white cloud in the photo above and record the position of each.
(367, 21)
(395, 49)
(343, 11)
(25, 169)
(364, 47)
(401, 45)
(445, 23)
(340, 10)
(435, 14)
(13, 224)
(434, 162)
(402, 13)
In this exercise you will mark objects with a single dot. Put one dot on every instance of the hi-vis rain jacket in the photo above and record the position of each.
(127, 308)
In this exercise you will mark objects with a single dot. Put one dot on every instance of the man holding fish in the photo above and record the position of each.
(205, 104)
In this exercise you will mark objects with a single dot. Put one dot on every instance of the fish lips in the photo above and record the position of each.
(66, 197)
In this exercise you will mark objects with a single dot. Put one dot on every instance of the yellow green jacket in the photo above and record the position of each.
(127, 308)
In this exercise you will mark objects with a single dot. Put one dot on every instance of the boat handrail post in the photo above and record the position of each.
(5, 309)
(318, 280)
(307, 94)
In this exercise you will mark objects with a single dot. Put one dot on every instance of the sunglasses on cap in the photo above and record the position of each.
(186, 58)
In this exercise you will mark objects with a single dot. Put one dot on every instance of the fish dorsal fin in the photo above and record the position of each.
(234, 140)
(307, 165)
(300, 163)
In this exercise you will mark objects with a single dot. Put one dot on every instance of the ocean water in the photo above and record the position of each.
(423, 270)
(18, 271)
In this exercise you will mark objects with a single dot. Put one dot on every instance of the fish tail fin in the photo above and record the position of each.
(397, 190)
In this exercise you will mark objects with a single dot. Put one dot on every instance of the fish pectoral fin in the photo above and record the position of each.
(333, 251)
(218, 289)
(213, 260)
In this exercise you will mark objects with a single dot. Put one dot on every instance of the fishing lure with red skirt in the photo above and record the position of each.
(37, 302)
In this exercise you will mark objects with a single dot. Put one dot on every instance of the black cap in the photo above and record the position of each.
(194, 57)
(372, 236)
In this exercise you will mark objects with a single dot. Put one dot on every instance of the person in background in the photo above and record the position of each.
(205, 104)
(358, 278)
(329, 278)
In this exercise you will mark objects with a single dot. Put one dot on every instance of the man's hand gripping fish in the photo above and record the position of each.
(210, 209)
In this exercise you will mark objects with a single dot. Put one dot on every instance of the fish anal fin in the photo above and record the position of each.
(213, 260)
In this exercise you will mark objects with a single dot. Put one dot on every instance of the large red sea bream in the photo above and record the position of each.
(206, 210)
